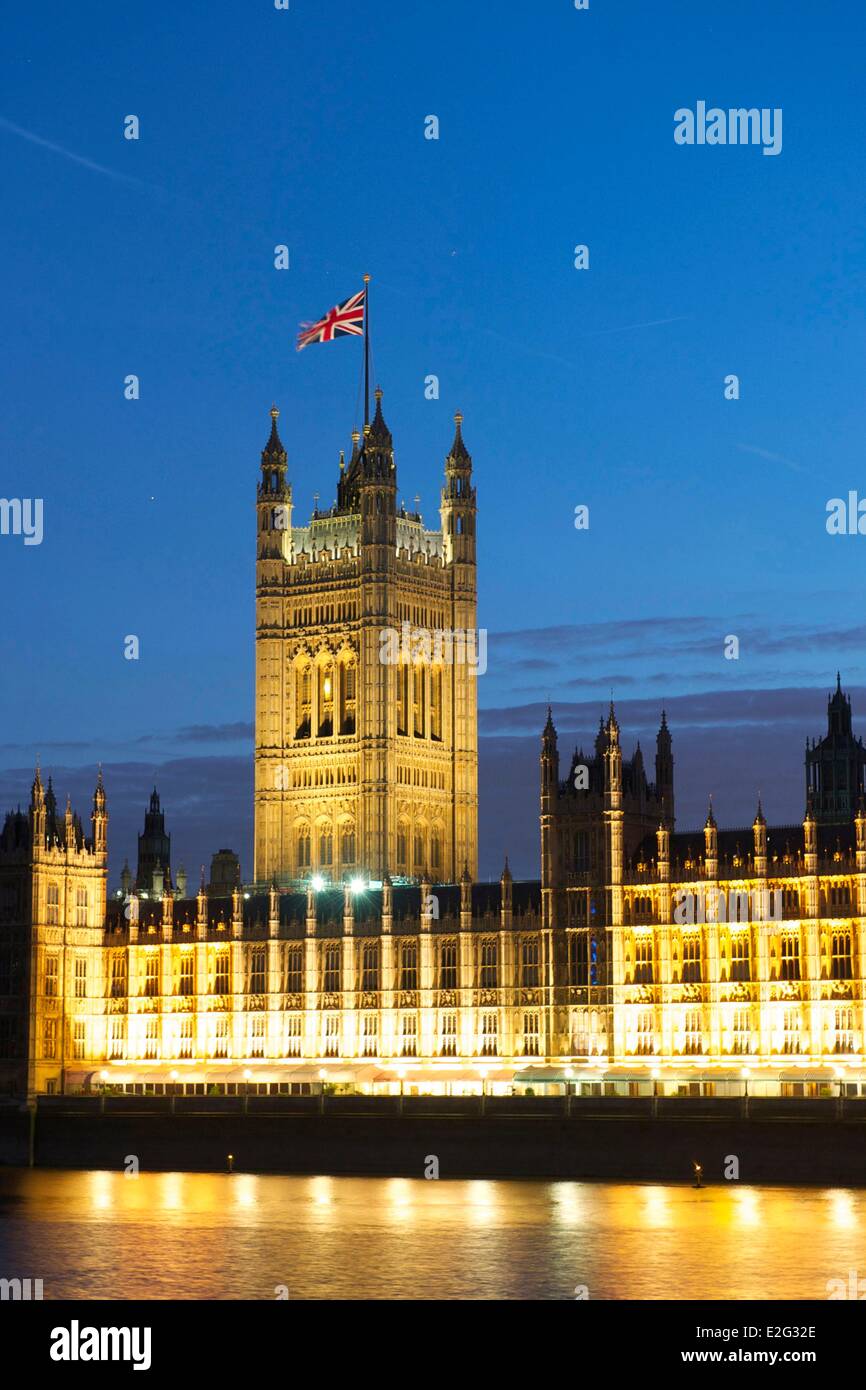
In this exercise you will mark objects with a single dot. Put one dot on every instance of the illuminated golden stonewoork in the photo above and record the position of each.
(362, 953)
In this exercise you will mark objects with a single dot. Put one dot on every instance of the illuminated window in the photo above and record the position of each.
(369, 1035)
(80, 977)
(643, 960)
(348, 698)
(151, 1039)
(409, 965)
(184, 1043)
(294, 970)
(258, 970)
(221, 1038)
(843, 1030)
(691, 971)
(332, 1035)
(347, 845)
(436, 849)
(49, 1039)
(420, 848)
(117, 1038)
(326, 699)
(645, 1044)
(408, 1035)
(303, 702)
(448, 1035)
(402, 846)
(81, 907)
(151, 974)
(489, 965)
(52, 975)
(791, 1031)
(529, 962)
(117, 974)
(293, 1034)
(370, 966)
(326, 845)
(693, 1037)
(332, 969)
(789, 965)
(436, 703)
(303, 846)
(448, 965)
(741, 968)
(258, 1032)
(531, 1037)
(578, 964)
(841, 965)
(221, 973)
(79, 1037)
(418, 691)
(402, 698)
(741, 1041)
(186, 979)
(489, 1035)
(53, 904)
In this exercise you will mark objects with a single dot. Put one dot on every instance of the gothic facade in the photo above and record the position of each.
(366, 744)
(361, 951)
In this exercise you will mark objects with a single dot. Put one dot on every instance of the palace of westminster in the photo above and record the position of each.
(363, 952)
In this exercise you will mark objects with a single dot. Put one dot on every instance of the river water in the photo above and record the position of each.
(206, 1236)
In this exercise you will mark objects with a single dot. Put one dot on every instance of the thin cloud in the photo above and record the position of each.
(70, 154)
(773, 458)
(628, 327)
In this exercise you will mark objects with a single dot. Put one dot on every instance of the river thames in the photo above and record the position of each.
(243, 1236)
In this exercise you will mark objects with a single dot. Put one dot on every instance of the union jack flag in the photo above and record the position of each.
(344, 320)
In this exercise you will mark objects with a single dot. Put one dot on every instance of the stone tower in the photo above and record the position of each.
(154, 851)
(367, 661)
(836, 765)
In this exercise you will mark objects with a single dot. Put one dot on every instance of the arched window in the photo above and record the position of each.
(347, 844)
(436, 849)
(326, 699)
(348, 696)
(403, 698)
(303, 701)
(402, 846)
(420, 847)
(326, 845)
(436, 703)
(303, 846)
(409, 965)
(418, 688)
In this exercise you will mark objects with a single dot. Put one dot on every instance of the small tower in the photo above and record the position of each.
(506, 887)
(458, 507)
(274, 499)
(613, 818)
(711, 845)
(549, 790)
(38, 812)
(99, 819)
(759, 834)
(154, 849)
(376, 478)
(665, 768)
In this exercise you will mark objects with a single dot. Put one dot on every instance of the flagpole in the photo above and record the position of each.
(367, 352)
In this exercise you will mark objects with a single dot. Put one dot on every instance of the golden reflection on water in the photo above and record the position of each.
(242, 1235)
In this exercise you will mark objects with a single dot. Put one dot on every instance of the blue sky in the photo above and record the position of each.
(602, 387)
